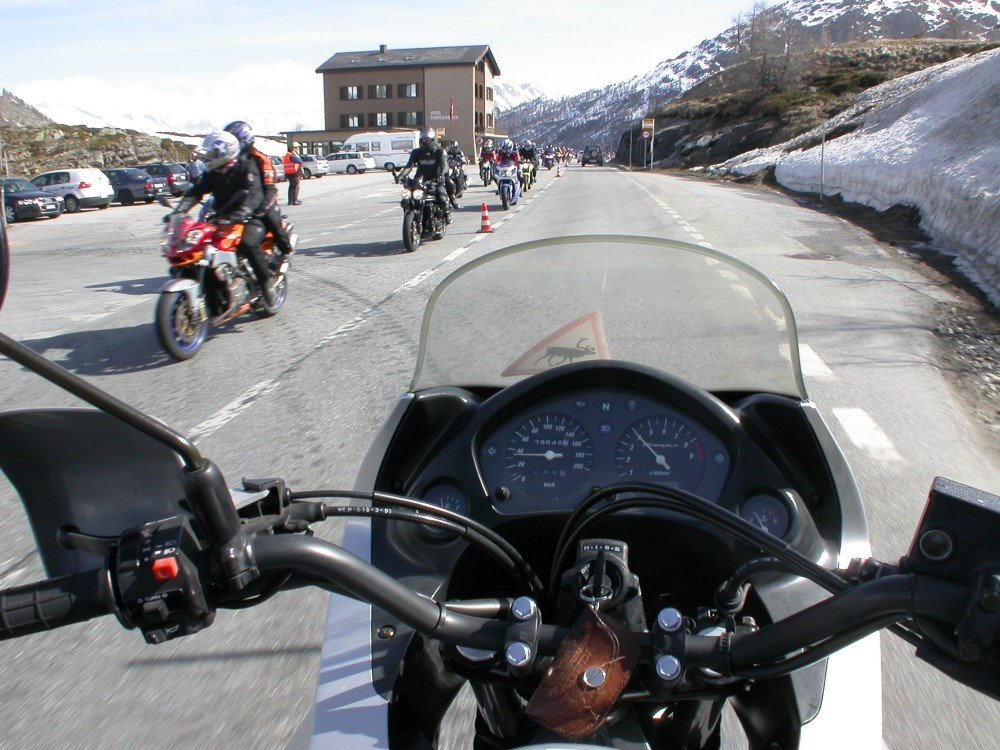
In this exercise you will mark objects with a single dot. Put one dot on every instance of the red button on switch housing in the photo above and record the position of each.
(165, 568)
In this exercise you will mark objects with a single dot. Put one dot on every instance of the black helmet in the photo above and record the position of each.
(428, 137)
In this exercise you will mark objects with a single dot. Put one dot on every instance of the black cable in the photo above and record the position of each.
(470, 535)
(260, 598)
(530, 578)
(691, 505)
(815, 653)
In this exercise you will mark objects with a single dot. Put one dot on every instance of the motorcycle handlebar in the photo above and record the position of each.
(49, 604)
(864, 608)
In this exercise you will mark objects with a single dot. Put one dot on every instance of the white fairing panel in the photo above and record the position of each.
(349, 713)
(851, 714)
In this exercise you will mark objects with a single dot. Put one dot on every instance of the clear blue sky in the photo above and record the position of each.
(176, 48)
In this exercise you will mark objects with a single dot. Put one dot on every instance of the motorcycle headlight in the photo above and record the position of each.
(418, 194)
(406, 194)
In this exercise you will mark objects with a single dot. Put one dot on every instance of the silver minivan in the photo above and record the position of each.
(79, 188)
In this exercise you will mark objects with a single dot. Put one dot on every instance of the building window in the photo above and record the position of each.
(349, 122)
(379, 119)
(351, 93)
(479, 120)
(489, 122)
(380, 91)
(489, 93)
(408, 90)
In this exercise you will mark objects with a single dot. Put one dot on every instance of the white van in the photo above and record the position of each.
(389, 150)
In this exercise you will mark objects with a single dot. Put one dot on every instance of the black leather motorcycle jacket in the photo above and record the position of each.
(430, 163)
(238, 192)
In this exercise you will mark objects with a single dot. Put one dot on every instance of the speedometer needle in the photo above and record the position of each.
(660, 460)
(549, 455)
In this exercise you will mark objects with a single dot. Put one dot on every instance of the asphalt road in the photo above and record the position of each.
(301, 395)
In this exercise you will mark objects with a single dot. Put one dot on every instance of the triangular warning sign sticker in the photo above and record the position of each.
(580, 340)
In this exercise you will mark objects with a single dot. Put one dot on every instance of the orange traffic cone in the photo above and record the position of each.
(485, 226)
(559, 170)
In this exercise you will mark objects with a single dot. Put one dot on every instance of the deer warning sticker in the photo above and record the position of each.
(580, 340)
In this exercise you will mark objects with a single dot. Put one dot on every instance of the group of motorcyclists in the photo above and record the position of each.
(241, 181)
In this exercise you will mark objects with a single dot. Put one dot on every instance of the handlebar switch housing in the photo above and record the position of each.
(157, 581)
(958, 540)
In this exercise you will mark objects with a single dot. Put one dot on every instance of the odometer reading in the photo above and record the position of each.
(549, 455)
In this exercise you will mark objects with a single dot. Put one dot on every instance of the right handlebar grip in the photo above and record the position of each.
(53, 603)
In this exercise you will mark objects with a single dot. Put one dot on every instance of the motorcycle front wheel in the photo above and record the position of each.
(505, 197)
(411, 232)
(177, 326)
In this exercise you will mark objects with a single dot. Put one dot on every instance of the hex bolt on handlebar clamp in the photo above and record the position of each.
(521, 644)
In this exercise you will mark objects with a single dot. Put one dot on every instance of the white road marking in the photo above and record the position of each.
(415, 280)
(109, 309)
(866, 435)
(812, 365)
(452, 256)
(231, 410)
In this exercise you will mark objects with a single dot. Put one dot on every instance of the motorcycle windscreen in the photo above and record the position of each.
(696, 313)
(85, 469)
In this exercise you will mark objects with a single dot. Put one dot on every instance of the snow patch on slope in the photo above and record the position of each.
(930, 140)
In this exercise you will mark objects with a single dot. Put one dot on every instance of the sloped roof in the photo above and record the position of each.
(403, 58)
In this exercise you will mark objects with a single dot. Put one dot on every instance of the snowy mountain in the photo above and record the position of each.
(600, 115)
(509, 95)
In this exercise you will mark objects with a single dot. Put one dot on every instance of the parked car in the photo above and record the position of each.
(279, 168)
(132, 184)
(592, 155)
(350, 162)
(79, 188)
(313, 167)
(175, 174)
(22, 200)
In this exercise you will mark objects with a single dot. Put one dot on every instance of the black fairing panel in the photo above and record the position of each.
(85, 469)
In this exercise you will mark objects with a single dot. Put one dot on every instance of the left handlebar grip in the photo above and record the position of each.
(53, 603)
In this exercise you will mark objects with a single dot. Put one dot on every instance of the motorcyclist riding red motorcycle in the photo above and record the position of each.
(233, 179)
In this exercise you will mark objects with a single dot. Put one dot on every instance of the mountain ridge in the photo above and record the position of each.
(600, 115)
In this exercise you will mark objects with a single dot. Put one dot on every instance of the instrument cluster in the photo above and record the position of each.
(549, 458)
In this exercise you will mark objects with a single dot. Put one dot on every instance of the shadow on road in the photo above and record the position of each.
(131, 286)
(106, 351)
(225, 656)
(354, 249)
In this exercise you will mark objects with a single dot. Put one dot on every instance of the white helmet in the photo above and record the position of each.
(218, 150)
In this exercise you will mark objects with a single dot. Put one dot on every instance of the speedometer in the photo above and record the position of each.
(549, 455)
(661, 450)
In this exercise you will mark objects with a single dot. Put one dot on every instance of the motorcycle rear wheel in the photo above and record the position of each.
(176, 327)
(411, 232)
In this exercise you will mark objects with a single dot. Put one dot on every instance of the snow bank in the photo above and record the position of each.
(930, 140)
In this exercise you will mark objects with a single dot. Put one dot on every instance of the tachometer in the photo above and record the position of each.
(661, 450)
(549, 455)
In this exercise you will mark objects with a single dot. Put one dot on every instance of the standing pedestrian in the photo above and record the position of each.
(293, 171)
(195, 168)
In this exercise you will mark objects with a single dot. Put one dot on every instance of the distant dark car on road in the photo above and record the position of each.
(176, 175)
(592, 155)
(132, 184)
(22, 200)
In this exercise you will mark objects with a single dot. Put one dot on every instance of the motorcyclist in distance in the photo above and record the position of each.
(529, 154)
(269, 212)
(234, 182)
(431, 164)
(456, 160)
